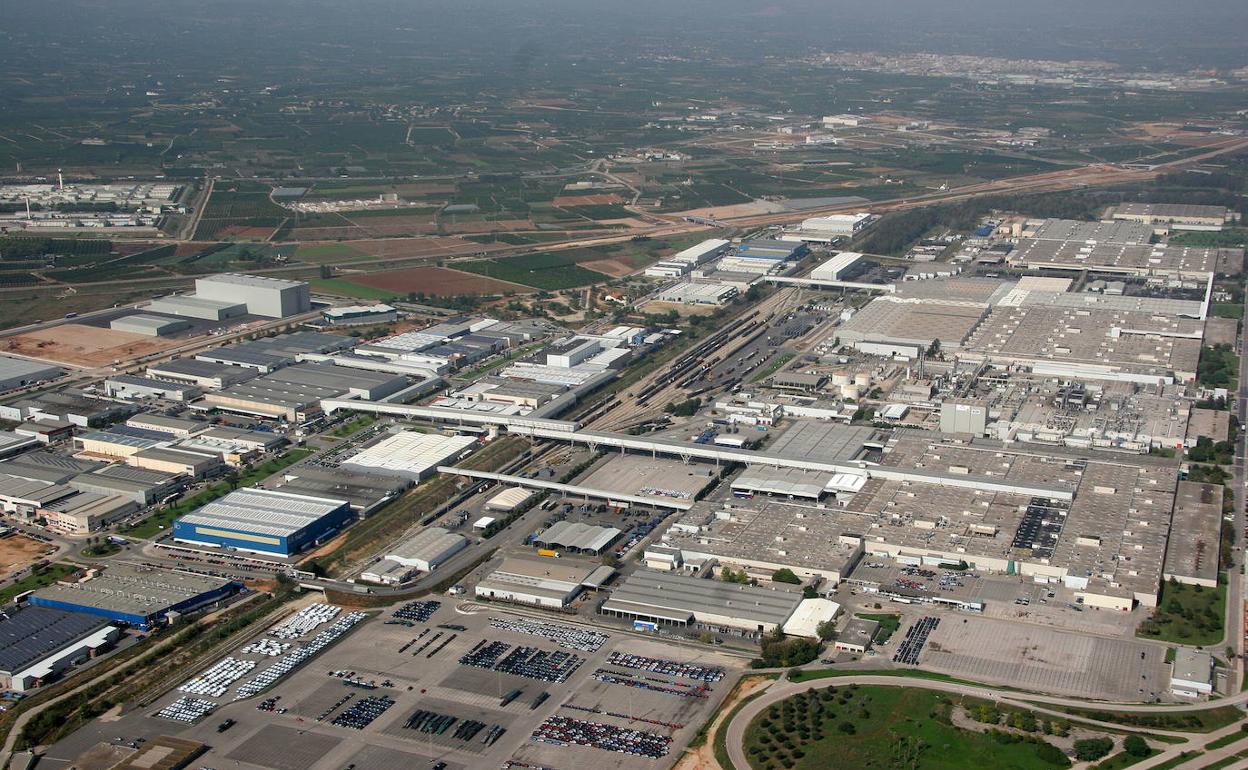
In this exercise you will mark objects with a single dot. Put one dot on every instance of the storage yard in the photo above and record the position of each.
(425, 683)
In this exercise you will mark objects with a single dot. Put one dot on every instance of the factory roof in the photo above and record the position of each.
(148, 322)
(120, 439)
(677, 597)
(133, 590)
(1130, 258)
(578, 536)
(829, 442)
(364, 492)
(782, 481)
(411, 452)
(161, 422)
(33, 633)
(1193, 553)
(194, 367)
(426, 545)
(17, 367)
(1181, 210)
(1101, 232)
(255, 281)
(264, 511)
(915, 322)
(31, 490)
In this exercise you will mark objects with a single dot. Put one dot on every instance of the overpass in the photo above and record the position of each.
(883, 288)
(571, 489)
(562, 430)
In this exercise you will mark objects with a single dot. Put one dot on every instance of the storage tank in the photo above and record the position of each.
(840, 379)
(862, 380)
(850, 391)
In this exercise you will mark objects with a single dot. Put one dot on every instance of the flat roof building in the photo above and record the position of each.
(410, 454)
(136, 596)
(37, 643)
(1181, 216)
(670, 599)
(857, 636)
(688, 293)
(428, 548)
(1192, 554)
(128, 386)
(176, 460)
(263, 521)
(1099, 232)
(294, 392)
(149, 325)
(1191, 673)
(204, 374)
(263, 296)
(18, 373)
(192, 306)
(550, 583)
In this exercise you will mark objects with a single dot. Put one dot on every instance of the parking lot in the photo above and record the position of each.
(399, 692)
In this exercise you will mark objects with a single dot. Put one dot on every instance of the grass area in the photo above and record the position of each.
(1123, 759)
(772, 368)
(44, 577)
(353, 426)
(1187, 614)
(1211, 240)
(158, 521)
(1218, 367)
(720, 747)
(1228, 762)
(1226, 740)
(541, 271)
(901, 673)
(343, 287)
(1170, 764)
(884, 727)
(889, 623)
(1227, 310)
(1205, 721)
(367, 536)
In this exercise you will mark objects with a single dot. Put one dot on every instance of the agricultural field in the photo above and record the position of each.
(239, 209)
(435, 281)
(541, 271)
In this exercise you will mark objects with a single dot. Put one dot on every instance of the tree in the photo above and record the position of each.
(785, 575)
(1091, 749)
(826, 630)
(327, 271)
(933, 350)
(1136, 746)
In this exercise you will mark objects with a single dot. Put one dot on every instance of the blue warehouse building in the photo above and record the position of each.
(142, 597)
(264, 521)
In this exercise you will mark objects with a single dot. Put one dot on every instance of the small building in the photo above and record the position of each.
(1191, 673)
(46, 431)
(176, 427)
(857, 636)
(427, 549)
(128, 386)
(671, 599)
(806, 619)
(176, 460)
(37, 643)
(577, 537)
(509, 499)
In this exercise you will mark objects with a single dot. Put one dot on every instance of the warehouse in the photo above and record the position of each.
(702, 252)
(204, 374)
(18, 373)
(180, 461)
(1127, 259)
(1098, 232)
(428, 548)
(509, 500)
(358, 315)
(86, 512)
(294, 392)
(768, 249)
(838, 268)
(262, 296)
(24, 498)
(1191, 673)
(111, 444)
(137, 596)
(272, 353)
(46, 431)
(48, 466)
(70, 405)
(1180, 216)
(548, 583)
(15, 443)
(37, 643)
(144, 487)
(836, 225)
(128, 386)
(1192, 557)
(149, 325)
(176, 427)
(668, 599)
(577, 537)
(263, 521)
(234, 446)
(667, 269)
(191, 306)
(907, 327)
(365, 494)
(410, 454)
(688, 293)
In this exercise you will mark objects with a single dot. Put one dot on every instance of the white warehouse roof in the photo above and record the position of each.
(411, 453)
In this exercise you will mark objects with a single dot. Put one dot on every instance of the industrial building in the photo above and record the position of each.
(359, 315)
(203, 374)
(702, 252)
(542, 582)
(293, 393)
(263, 296)
(1191, 673)
(857, 635)
(1096, 232)
(1180, 216)
(422, 552)
(176, 460)
(85, 512)
(136, 596)
(904, 327)
(130, 387)
(509, 500)
(18, 373)
(191, 306)
(272, 353)
(667, 269)
(828, 228)
(577, 537)
(838, 268)
(1127, 259)
(16, 443)
(38, 643)
(143, 487)
(365, 493)
(656, 599)
(113, 444)
(234, 446)
(69, 405)
(763, 248)
(410, 454)
(1192, 556)
(689, 293)
(263, 521)
(176, 427)
(149, 325)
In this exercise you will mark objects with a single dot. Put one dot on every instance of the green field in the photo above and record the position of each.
(1187, 614)
(541, 271)
(881, 728)
(344, 287)
(45, 577)
(889, 623)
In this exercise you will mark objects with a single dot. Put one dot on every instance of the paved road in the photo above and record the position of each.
(781, 689)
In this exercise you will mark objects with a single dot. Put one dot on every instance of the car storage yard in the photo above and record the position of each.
(393, 692)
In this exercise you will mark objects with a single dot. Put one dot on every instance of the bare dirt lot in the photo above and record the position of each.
(612, 267)
(438, 281)
(81, 345)
(17, 551)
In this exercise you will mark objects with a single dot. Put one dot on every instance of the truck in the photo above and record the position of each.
(548, 553)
